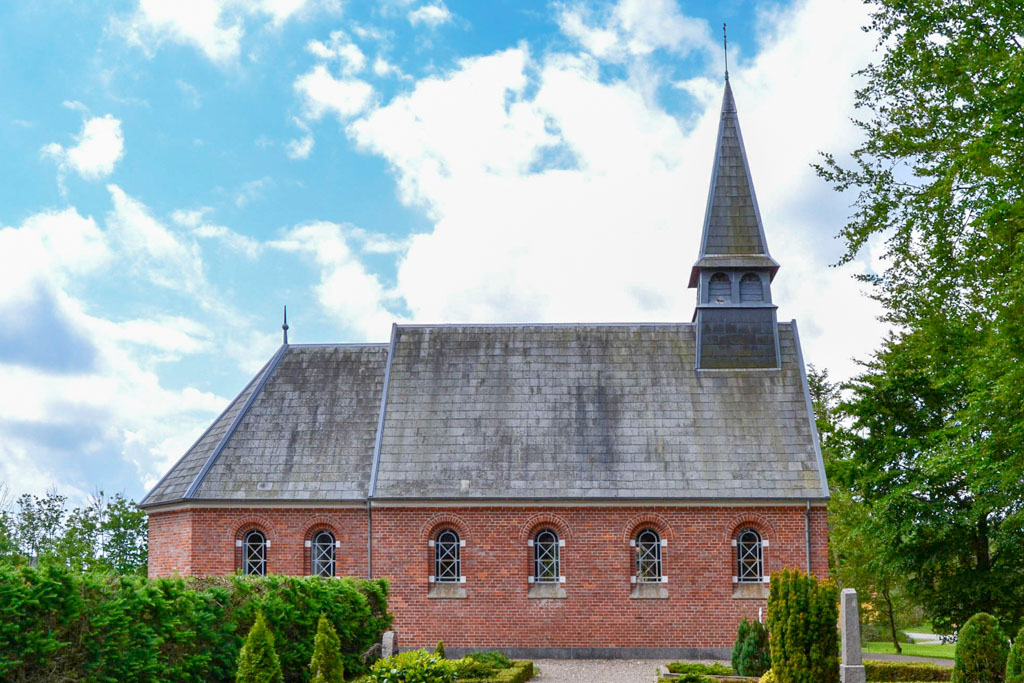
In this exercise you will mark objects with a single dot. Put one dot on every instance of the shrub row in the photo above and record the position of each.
(906, 671)
(56, 624)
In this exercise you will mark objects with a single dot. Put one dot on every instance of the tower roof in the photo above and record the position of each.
(733, 234)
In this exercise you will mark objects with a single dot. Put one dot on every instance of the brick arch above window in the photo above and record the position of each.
(259, 523)
(541, 521)
(750, 521)
(319, 524)
(444, 520)
(645, 520)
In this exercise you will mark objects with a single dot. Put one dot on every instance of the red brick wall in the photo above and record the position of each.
(206, 537)
(597, 562)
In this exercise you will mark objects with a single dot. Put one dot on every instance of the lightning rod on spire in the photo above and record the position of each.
(284, 327)
(725, 44)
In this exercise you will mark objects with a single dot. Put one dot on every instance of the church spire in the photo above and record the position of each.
(734, 270)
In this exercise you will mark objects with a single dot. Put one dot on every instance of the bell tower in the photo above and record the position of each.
(735, 316)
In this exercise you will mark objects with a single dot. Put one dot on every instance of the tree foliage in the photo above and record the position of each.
(326, 666)
(257, 660)
(104, 533)
(937, 416)
(802, 616)
(1015, 660)
(981, 651)
(58, 624)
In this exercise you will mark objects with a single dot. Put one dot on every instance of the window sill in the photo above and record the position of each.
(546, 591)
(750, 591)
(649, 591)
(446, 591)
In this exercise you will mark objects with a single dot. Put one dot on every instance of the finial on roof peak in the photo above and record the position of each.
(725, 44)
(284, 326)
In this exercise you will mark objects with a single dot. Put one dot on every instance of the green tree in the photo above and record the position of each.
(802, 616)
(981, 651)
(1015, 661)
(854, 561)
(257, 660)
(938, 413)
(39, 524)
(124, 531)
(326, 665)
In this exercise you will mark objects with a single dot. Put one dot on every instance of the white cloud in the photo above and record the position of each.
(339, 47)
(322, 93)
(215, 27)
(636, 28)
(190, 94)
(62, 422)
(559, 194)
(383, 68)
(430, 16)
(251, 191)
(97, 149)
(352, 295)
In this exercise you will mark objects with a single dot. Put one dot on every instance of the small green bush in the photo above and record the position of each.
(326, 665)
(906, 671)
(713, 669)
(492, 658)
(741, 635)
(257, 660)
(1015, 662)
(439, 650)
(751, 655)
(802, 616)
(981, 651)
(469, 669)
(414, 666)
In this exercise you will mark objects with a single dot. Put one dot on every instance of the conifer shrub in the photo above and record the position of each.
(981, 651)
(56, 624)
(741, 635)
(751, 654)
(414, 666)
(1015, 661)
(768, 677)
(326, 665)
(802, 616)
(257, 660)
(439, 650)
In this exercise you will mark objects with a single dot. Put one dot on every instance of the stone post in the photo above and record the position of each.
(851, 670)
(389, 644)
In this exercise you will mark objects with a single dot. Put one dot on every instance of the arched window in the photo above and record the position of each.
(751, 288)
(719, 288)
(447, 561)
(321, 554)
(749, 557)
(254, 553)
(648, 556)
(545, 557)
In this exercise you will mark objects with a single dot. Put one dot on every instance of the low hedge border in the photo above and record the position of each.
(517, 673)
(906, 672)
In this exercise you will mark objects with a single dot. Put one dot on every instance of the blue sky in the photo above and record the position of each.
(176, 172)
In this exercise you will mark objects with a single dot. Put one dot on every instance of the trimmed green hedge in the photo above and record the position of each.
(56, 624)
(906, 671)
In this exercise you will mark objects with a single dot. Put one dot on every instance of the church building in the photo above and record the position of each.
(583, 490)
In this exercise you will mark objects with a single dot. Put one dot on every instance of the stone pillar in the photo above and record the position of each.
(851, 670)
(389, 644)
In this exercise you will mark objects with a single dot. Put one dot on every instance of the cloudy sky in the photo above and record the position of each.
(174, 172)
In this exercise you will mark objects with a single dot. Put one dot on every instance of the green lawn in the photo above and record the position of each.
(942, 650)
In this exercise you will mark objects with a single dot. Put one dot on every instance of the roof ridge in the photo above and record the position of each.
(267, 372)
(375, 462)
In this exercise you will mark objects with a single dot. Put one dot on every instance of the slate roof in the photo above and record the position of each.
(733, 235)
(307, 435)
(512, 412)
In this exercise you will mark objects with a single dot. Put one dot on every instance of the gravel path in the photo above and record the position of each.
(596, 670)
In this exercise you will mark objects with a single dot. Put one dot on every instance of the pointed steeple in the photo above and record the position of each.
(735, 316)
(733, 234)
